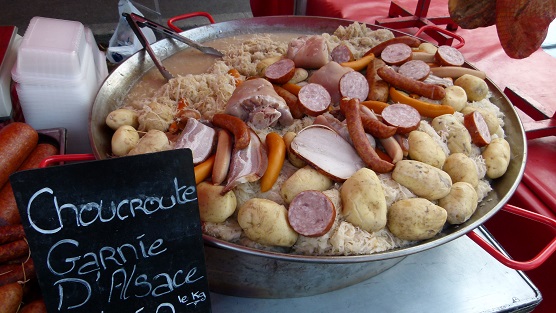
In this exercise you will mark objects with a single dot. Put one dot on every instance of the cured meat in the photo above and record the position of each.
(402, 116)
(411, 85)
(341, 53)
(473, 14)
(198, 137)
(311, 213)
(378, 49)
(396, 54)
(478, 128)
(354, 85)
(449, 56)
(309, 51)
(416, 69)
(314, 99)
(329, 77)
(17, 141)
(280, 72)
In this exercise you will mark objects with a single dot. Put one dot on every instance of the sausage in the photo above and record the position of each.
(11, 233)
(391, 145)
(449, 56)
(291, 101)
(11, 295)
(314, 99)
(222, 157)
(17, 141)
(375, 127)
(35, 306)
(411, 85)
(350, 107)
(311, 213)
(456, 71)
(280, 72)
(408, 40)
(13, 250)
(11, 273)
(341, 53)
(236, 126)
(478, 128)
(406, 118)
(396, 54)
(354, 85)
(403, 141)
(416, 69)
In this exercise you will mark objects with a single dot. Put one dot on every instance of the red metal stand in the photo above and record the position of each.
(399, 17)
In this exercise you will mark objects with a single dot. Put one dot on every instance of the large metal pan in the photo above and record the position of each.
(241, 271)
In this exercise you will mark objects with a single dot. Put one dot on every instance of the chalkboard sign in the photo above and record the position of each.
(116, 235)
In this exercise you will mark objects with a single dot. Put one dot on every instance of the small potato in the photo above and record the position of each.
(415, 219)
(475, 87)
(461, 168)
(124, 139)
(294, 159)
(424, 180)
(428, 47)
(306, 178)
(459, 139)
(121, 117)
(425, 149)
(460, 203)
(266, 222)
(213, 206)
(156, 116)
(455, 97)
(153, 141)
(299, 75)
(363, 201)
(497, 157)
(490, 118)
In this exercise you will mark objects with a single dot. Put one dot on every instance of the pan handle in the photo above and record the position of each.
(444, 31)
(187, 15)
(520, 265)
(66, 158)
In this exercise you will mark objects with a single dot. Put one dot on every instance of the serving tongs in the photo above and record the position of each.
(136, 22)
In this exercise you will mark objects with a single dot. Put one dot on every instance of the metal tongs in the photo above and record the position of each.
(136, 22)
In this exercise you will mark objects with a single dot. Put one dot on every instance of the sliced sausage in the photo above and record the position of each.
(354, 85)
(11, 233)
(375, 127)
(291, 101)
(408, 40)
(11, 295)
(311, 213)
(314, 99)
(350, 107)
(280, 72)
(341, 53)
(416, 69)
(406, 118)
(236, 126)
(17, 141)
(411, 85)
(396, 54)
(449, 56)
(13, 250)
(478, 128)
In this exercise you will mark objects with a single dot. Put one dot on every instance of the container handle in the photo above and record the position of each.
(444, 31)
(172, 20)
(520, 265)
(66, 158)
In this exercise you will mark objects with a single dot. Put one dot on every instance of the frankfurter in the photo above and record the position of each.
(291, 101)
(236, 126)
(222, 158)
(17, 141)
(411, 85)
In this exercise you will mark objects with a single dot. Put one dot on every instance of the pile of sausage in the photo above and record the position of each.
(21, 150)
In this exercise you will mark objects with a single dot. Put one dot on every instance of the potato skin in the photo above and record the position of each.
(459, 139)
(423, 148)
(363, 201)
(455, 97)
(415, 219)
(424, 180)
(153, 141)
(475, 87)
(213, 206)
(121, 117)
(124, 139)
(266, 222)
(305, 178)
(460, 203)
(461, 168)
(497, 157)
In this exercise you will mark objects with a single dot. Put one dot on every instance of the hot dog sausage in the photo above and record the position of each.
(354, 85)
(13, 250)
(17, 141)
(291, 101)
(222, 157)
(478, 128)
(416, 69)
(311, 213)
(11, 233)
(449, 56)
(36, 306)
(410, 41)
(234, 125)
(411, 85)
(11, 295)
(280, 72)
(396, 54)
(350, 107)
(406, 118)
(314, 99)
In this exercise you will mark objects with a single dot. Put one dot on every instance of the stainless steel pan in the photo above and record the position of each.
(241, 271)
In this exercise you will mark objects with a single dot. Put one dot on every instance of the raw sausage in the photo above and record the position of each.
(396, 54)
(449, 56)
(17, 141)
(350, 107)
(416, 69)
(236, 126)
(406, 118)
(478, 128)
(311, 213)
(11, 295)
(411, 85)
(341, 53)
(410, 41)
(354, 85)
(13, 250)
(314, 99)
(11, 233)
(280, 72)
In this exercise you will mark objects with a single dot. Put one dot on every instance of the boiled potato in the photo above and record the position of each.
(124, 139)
(299, 75)
(497, 157)
(475, 87)
(458, 139)
(363, 201)
(121, 117)
(490, 118)
(425, 149)
(153, 141)
(428, 47)
(213, 205)
(415, 219)
(455, 97)
(156, 116)
(460, 203)
(424, 180)
(266, 222)
(306, 178)
(461, 168)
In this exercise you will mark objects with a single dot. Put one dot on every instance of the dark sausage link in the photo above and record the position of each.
(17, 141)
(234, 125)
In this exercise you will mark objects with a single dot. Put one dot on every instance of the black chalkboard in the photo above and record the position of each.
(116, 235)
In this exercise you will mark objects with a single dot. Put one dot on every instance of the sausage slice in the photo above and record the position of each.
(396, 54)
(311, 213)
(416, 69)
(406, 118)
(280, 72)
(314, 99)
(354, 85)
(449, 56)
(478, 128)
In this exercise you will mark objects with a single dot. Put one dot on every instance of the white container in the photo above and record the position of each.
(58, 73)
(9, 41)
